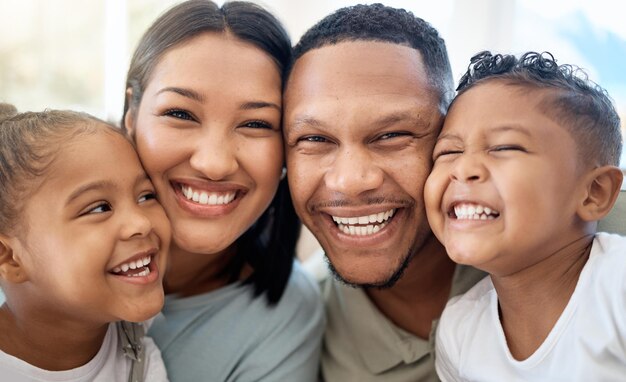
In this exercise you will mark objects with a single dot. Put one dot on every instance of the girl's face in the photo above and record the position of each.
(95, 239)
(208, 133)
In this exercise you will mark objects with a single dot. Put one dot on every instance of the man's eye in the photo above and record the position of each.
(314, 138)
(392, 135)
(146, 197)
(179, 114)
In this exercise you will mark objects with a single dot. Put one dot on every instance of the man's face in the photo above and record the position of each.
(360, 123)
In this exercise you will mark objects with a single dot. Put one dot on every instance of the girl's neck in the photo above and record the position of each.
(190, 274)
(47, 343)
(532, 300)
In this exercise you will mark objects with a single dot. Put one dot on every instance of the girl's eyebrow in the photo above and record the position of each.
(100, 185)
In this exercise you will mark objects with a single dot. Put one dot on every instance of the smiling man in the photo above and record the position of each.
(364, 102)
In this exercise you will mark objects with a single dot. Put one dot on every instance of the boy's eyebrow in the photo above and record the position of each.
(517, 128)
(99, 185)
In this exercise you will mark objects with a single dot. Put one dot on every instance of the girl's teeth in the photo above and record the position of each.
(135, 264)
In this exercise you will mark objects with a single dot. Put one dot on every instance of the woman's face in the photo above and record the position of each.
(208, 133)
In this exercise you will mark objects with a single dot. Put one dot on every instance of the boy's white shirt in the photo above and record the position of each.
(588, 342)
(109, 365)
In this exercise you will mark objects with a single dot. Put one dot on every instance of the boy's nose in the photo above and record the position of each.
(469, 168)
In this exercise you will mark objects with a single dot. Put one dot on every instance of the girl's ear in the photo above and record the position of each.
(129, 122)
(602, 188)
(11, 270)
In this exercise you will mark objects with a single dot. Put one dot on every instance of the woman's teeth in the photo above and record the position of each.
(363, 225)
(208, 198)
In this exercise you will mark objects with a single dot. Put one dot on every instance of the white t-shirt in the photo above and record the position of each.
(587, 343)
(109, 365)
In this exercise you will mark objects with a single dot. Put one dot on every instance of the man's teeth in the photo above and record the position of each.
(208, 198)
(134, 265)
(367, 224)
(474, 212)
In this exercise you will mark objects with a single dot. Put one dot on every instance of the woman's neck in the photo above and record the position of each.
(532, 300)
(190, 274)
(48, 343)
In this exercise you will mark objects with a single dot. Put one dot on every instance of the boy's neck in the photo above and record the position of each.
(532, 300)
(47, 343)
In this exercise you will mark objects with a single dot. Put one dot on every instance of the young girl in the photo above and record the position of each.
(83, 245)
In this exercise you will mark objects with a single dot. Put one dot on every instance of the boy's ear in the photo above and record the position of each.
(128, 117)
(11, 269)
(602, 188)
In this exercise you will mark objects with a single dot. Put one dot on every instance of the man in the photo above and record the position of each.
(364, 102)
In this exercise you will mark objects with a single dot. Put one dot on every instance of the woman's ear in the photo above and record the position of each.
(602, 188)
(11, 270)
(129, 122)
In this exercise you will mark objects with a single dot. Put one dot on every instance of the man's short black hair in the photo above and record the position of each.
(577, 103)
(378, 22)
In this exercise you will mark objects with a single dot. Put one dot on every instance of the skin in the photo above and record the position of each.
(86, 218)
(498, 150)
(360, 123)
(223, 111)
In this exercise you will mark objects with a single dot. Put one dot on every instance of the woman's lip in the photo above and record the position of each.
(206, 186)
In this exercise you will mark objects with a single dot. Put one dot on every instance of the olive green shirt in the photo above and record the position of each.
(362, 345)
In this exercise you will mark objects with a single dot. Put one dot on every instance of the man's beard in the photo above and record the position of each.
(385, 284)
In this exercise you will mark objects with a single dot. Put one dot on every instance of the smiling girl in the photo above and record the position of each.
(83, 244)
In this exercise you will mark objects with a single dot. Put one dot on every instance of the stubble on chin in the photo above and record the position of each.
(379, 285)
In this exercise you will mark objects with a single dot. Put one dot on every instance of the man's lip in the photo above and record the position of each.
(361, 241)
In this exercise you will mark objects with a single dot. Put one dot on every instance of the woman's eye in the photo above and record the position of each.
(257, 125)
(146, 197)
(179, 114)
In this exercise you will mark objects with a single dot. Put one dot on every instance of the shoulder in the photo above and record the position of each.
(465, 310)
(608, 259)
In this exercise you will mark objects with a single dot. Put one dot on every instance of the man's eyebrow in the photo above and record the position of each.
(401, 116)
(252, 105)
(192, 94)
(306, 120)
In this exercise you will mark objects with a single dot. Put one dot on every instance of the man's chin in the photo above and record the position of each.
(380, 282)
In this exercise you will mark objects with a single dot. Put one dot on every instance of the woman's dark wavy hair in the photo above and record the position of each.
(578, 104)
(377, 22)
(269, 245)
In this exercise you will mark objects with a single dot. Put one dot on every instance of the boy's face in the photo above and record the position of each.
(503, 190)
(360, 122)
(94, 217)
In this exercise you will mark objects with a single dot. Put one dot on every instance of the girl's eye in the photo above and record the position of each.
(179, 114)
(146, 197)
(257, 125)
(99, 208)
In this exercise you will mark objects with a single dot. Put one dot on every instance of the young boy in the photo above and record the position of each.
(525, 166)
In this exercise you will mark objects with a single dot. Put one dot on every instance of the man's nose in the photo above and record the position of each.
(353, 172)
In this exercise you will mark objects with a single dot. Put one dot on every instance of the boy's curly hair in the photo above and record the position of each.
(573, 101)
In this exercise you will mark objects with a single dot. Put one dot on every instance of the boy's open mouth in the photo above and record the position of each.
(472, 211)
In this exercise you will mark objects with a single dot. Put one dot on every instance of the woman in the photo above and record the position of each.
(204, 109)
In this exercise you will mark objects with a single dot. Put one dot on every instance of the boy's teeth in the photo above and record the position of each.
(208, 198)
(474, 212)
(367, 224)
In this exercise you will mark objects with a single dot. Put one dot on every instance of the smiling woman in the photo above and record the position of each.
(204, 97)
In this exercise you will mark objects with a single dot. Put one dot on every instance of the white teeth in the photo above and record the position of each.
(134, 264)
(474, 212)
(367, 224)
(145, 272)
(208, 198)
